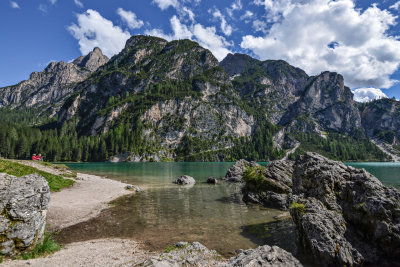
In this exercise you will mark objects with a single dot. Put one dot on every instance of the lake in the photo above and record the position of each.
(214, 215)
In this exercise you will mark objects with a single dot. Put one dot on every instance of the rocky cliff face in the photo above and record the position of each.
(52, 85)
(327, 103)
(381, 120)
(23, 202)
(271, 85)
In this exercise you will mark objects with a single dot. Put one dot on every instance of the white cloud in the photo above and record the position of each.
(93, 31)
(304, 29)
(53, 2)
(237, 5)
(225, 27)
(130, 19)
(205, 36)
(14, 4)
(43, 8)
(78, 3)
(259, 25)
(246, 16)
(368, 94)
(395, 6)
(164, 4)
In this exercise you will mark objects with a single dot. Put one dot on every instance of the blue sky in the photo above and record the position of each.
(359, 39)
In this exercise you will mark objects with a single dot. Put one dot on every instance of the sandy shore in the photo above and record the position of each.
(84, 200)
(102, 252)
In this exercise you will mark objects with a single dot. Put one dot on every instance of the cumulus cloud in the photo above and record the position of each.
(205, 36)
(14, 4)
(130, 19)
(164, 4)
(246, 16)
(78, 3)
(368, 94)
(303, 32)
(92, 30)
(225, 27)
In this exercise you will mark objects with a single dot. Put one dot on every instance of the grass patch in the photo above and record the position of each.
(56, 182)
(298, 207)
(46, 247)
(169, 249)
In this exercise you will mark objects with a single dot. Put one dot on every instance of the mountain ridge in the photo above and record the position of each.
(160, 100)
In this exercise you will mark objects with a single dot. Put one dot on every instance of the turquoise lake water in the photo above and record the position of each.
(214, 215)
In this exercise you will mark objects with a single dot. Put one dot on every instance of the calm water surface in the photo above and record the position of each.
(214, 215)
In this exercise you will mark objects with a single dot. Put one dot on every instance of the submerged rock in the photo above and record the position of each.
(23, 203)
(185, 180)
(212, 180)
(263, 256)
(235, 173)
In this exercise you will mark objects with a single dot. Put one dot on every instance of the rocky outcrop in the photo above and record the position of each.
(263, 256)
(185, 180)
(349, 217)
(92, 61)
(23, 203)
(235, 173)
(51, 86)
(185, 254)
(343, 215)
(275, 187)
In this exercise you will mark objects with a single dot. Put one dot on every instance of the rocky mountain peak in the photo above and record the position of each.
(92, 61)
(237, 63)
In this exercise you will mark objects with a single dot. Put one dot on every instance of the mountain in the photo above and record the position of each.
(50, 87)
(159, 100)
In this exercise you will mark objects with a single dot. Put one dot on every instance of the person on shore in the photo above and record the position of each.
(34, 157)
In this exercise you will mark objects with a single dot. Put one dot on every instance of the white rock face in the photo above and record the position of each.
(23, 203)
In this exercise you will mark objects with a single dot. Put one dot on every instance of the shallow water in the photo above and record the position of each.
(214, 215)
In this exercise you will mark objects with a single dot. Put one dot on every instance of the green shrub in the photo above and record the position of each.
(298, 207)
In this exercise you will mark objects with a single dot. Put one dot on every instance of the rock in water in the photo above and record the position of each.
(344, 216)
(235, 173)
(185, 180)
(23, 203)
(264, 256)
(274, 190)
(212, 180)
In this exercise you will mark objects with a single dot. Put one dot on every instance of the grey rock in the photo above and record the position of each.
(263, 256)
(185, 180)
(275, 188)
(23, 203)
(349, 217)
(212, 180)
(92, 61)
(194, 254)
(235, 173)
(181, 244)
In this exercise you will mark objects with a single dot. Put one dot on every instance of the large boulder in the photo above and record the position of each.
(263, 256)
(275, 187)
(185, 180)
(343, 215)
(23, 203)
(235, 173)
